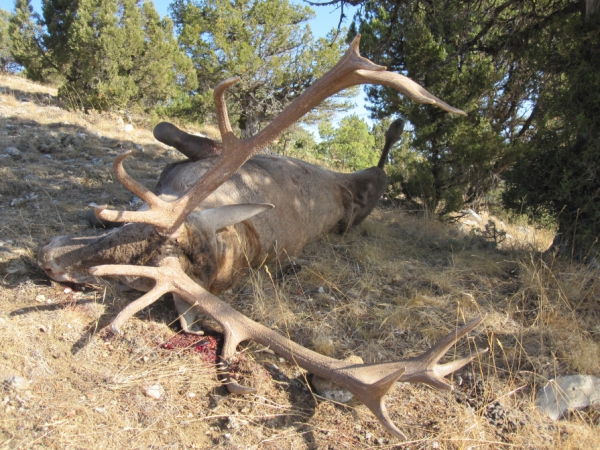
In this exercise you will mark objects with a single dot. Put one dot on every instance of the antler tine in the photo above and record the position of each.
(159, 213)
(424, 368)
(351, 70)
(159, 289)
(368, 382)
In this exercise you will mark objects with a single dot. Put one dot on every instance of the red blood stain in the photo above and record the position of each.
(206, 346)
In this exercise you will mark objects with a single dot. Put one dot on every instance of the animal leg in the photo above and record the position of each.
(187, 315)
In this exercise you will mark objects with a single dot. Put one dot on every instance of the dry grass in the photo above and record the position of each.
(386, 290)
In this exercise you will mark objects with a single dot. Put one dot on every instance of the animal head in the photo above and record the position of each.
(69, 258)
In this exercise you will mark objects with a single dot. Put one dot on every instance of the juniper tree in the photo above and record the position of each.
(265, 42)
(350, 146)
(108, 53)
(6, 58)
(25, 33)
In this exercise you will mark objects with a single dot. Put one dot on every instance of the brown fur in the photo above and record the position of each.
(308, 200)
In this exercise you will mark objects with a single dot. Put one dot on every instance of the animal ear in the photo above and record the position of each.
(224, 216)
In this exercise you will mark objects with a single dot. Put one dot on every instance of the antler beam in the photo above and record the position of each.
(351, 70)
(368, 382)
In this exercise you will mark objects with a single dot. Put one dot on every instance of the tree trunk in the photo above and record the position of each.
(564, 245)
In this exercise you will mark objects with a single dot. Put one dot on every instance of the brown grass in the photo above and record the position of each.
(386, 290)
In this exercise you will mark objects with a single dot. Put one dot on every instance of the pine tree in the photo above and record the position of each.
(454, 161)
(121, 54)
(351, 146)
(25, 36)
(161, 70)
(6, 58)
(57, 18)
(265, 42)
(557, 179)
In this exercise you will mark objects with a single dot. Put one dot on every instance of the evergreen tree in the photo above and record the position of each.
(558, 176)
(456, 160)
(161, 71)
(266, 42)
(6, 59)
(351, 146)
(532, 94)
(108, 53)
(57, 18)
(25, 33)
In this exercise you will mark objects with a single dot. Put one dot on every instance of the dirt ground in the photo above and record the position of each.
(387, 290)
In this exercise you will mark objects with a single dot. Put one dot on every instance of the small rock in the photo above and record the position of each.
(155, 391)
(17, 202)
(568, 393)
(12, 151)
(18, 383)
(128, 127)
(68, 290)
(135, 202)
(473, 214)
(98, 161)
(330, 390)
(47, 156)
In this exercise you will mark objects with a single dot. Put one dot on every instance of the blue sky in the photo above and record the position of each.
(327, 17)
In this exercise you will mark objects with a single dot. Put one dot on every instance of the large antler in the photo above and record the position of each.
(368, 382)
(351, 70)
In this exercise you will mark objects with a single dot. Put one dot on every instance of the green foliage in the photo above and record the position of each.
(123, 54)
(6, 58)
(265, 42)
(453, 161)
(558, 176)
(527, 74)
(296, 142)
(25, 34)
(108, 53)
(57, 18)
(350, 147)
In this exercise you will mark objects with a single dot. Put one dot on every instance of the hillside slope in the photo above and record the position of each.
(385, 291)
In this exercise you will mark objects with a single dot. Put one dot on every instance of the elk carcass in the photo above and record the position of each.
(225, 209)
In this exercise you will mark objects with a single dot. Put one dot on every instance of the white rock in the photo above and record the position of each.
(128, 127)
(473, 214)
(12, 151)
(523, 230)
(568, 393)
(155, 391)
(18, 383)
